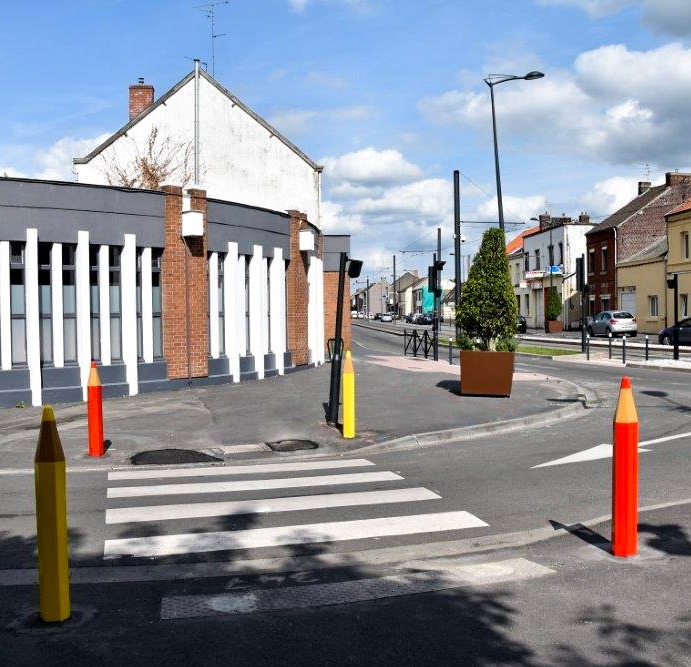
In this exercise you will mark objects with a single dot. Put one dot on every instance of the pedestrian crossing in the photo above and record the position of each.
(256, 506)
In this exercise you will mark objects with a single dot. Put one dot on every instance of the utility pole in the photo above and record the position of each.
(437, 295)
(395, 292)
(457, 244)
(367, 300)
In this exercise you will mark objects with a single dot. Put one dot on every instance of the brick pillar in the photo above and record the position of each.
(183, 270)
(330, 304)
(297, 293)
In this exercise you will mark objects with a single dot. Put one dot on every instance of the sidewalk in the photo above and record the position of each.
(396, 397)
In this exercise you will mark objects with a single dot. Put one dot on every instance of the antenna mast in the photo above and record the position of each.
(209, 10)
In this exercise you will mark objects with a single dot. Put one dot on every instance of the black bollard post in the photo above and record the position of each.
(646, 347)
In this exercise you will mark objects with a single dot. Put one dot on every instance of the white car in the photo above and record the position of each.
(386, 317)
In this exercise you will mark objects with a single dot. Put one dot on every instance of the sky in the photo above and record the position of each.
(388, 95)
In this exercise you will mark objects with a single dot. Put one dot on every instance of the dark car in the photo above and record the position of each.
(666, 336)
(521, 324)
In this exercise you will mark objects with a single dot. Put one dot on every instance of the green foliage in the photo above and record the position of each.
(488, 306)
(20, 405)
(507, 344)
(465, 342)
(553, 307)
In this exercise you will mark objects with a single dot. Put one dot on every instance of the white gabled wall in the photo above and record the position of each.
(240, 161)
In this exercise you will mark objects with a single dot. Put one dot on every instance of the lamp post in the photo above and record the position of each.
(492, 80)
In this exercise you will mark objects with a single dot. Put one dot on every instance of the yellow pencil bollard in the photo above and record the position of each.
(51, 522)
(348, 397)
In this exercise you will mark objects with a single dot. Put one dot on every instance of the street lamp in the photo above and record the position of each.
(492, 80)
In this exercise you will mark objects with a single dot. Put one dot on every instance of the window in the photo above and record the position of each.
(17, 304)
(69, 301)
(526, 262)
(652, 305)
(685, 245)
(591, 262)
(537, 260)
(115, 303)
(526, 298)
(221, 306)
(45, 303)
(550, 252)
(684, 305)
(140, 331)
(268, 302)
(561, 253)
(604, 303)
(248, 346)
(156, 301)
(94, 290)
(603, 259)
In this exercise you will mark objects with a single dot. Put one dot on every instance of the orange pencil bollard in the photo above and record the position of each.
(625, 474)
(95, 413)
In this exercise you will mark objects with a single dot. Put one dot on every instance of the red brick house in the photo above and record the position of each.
(627, 231)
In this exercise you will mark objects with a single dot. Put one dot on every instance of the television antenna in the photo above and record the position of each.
(209, 10)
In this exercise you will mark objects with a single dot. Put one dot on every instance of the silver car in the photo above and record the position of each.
(616, 322)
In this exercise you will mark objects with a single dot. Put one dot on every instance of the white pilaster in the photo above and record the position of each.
(256, 312)
(5, 312)
(33, 339)
(240, 307)
(104, 303)
(278, 311)
(56, 305)
(265, 304)
(230, 308)
(128, 278)
(214, 347)
(83, 309)
(319, 319)
(147, 308)
(311, 310)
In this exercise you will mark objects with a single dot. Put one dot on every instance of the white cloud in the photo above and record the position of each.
(336, 221)
(12, 173)
(291, 121)
(609, 195)
(515, 208)
(618, 105)
(55, 163)
(299, 6)
(324, 79)
(368, 167)
(595, 8)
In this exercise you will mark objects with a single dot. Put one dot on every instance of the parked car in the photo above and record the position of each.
(386, 317)
(377, 316)
(615, 322)
(521, 324)
(409, 318)
(666, 336)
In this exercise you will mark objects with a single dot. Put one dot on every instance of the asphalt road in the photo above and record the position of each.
(502, 594)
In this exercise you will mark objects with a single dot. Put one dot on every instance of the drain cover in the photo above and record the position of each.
(168, 456)
(291, 445)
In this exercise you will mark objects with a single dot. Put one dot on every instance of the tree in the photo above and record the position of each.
(488, 305)
(553, 307)
(151, 164)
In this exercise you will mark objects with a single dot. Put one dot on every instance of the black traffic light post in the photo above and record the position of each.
(335, 385)
(434, 286)
(673, 283)
(583, 290)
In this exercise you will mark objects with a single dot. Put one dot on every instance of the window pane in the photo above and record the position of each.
(70, 326)
(221, 334)
(69, 299)
(46, 336)
(17, 299)
(158, 337)
(115, 345)
(95, 338)
(18, 341)
(44, 303)
(140, 339)
(156, 298)
(95, 300)
(114, 298)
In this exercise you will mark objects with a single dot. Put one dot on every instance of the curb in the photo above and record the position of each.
(659, 367)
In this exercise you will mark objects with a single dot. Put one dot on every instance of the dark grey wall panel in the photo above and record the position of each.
(246, 226)
(334, 245)
(58, 210)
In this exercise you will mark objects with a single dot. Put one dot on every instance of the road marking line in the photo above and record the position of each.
(347, 592)
(213, 471)
(266, 505)
(168, 545)
(250, 485)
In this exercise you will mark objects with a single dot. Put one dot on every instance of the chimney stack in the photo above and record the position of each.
(676, 178)
(583, 218)
(643, 186)
(141, 97)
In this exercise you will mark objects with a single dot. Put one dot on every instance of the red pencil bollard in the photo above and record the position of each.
(625, 474)
(95, 413)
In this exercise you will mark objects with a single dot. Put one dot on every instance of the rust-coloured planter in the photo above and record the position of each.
(554, 326)
(486, 373)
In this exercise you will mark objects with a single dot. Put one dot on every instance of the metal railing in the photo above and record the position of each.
(416, 341)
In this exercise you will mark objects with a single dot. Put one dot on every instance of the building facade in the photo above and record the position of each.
(161, 288)
(679, 258)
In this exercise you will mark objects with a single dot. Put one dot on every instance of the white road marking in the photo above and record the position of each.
(250, 485)
(253, 469)
(266, 505)
(604, 451)
(168, 545)
(346, 592)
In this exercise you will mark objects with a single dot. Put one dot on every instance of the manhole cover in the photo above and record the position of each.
(291, 445)
(168, 456)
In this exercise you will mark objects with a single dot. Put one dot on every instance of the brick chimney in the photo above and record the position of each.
(545, 220)
(141, 97)
(676, 178)
(584, 218)
(643, 186)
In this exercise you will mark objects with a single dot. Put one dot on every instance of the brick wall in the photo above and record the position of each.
(179, 260)
(603, 279)
(330, 304)
(297, 293)
(141, 97)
